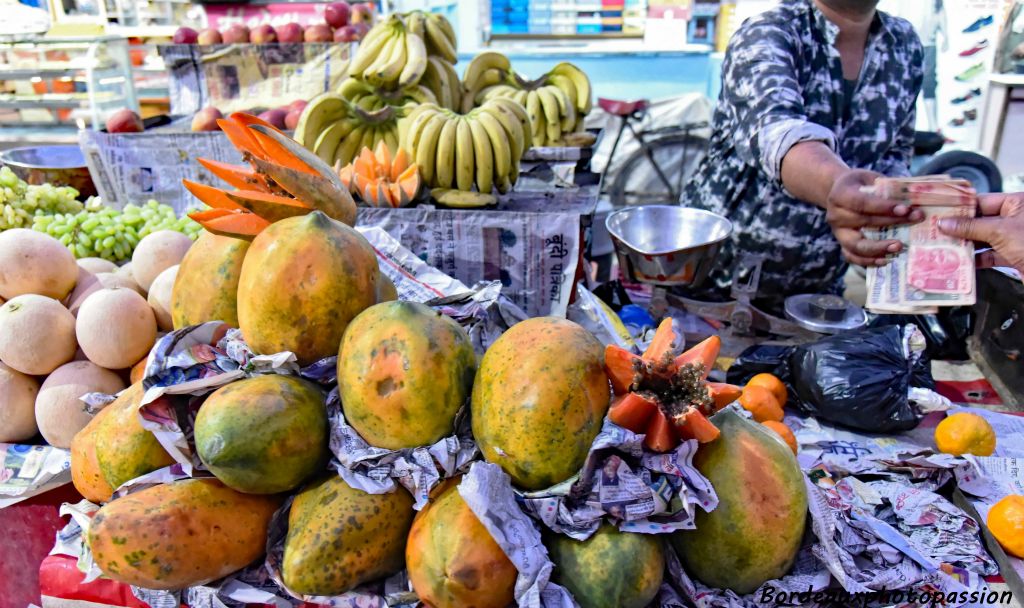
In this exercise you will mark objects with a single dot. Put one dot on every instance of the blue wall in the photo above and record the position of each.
(627, 75)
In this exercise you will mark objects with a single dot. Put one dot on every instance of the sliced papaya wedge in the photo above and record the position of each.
(705, 353)
(663, 341)
(631, 411)
(333, 198)
(723, 394)
(270, 207)
(240, 138)
(237, 225)
(692, 424)
(210, 196)
(209, 214)
(237, 176)
(660, 436)
(620, 364)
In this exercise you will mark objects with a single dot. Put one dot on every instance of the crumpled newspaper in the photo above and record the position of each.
(376, 470)
(484, 312)
(30, 470)
(641, 491)
(488, 492)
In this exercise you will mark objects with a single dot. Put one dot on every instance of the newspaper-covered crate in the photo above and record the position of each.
(532, 242)
(238, 77)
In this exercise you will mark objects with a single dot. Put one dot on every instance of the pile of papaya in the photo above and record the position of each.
(291, 273)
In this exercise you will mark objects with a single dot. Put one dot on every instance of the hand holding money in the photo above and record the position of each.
(1001, 225)
(933, 269)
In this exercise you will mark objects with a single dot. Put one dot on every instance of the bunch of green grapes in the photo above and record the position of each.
(107, 233)
(19, 202)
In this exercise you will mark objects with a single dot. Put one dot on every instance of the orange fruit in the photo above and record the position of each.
(965, 433)
(773, 384)
(760, 402)
(1006, 523)
(784, 432)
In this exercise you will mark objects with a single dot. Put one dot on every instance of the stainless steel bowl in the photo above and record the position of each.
(57, 165)
(667, 245)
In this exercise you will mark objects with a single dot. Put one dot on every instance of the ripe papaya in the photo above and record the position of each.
(263, 435)
(125, 450)
(386, 290)
(539, 399)
(339, 537)
(206, 288)
(611, 569)
(404, 370)
(452, 559)
(86, 475)
(303, 280)
(180, 534)
(755, 532)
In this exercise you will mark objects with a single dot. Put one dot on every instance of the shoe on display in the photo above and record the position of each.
(974, 50)
(957, 122)
(971, 114)
(971, 73)
(976, 91)
(980, 23)
(969, 95)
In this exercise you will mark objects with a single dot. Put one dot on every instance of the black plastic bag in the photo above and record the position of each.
(859, 379)
(946, 332)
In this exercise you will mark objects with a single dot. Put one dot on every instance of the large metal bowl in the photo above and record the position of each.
(57, 165)
(667, 245)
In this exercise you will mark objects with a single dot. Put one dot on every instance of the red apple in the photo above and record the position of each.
(361, 13)
(348, 33)
(185, 35)
(289, 33)
(336, 14)
(274, 117)
(291, 119)
(206, 119)
(263, 34)
(124, 121)
(298, 104)
(236, 34)
(210, 36)
(362, 29)
(319, 33)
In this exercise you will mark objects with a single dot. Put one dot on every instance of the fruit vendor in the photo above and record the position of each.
(818, 99)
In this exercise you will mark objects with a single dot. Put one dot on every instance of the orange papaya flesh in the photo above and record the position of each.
(723, 394)
(276, 153)
(632, 411)
(660, 437)
(270, 207)
(238, 176)
(241, 139)
(243, 226)
(662, 343)
(210, 196)
(209, 214)
(703, 354)
(327, 195)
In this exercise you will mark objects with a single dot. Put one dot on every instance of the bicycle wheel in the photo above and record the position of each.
(638, 181)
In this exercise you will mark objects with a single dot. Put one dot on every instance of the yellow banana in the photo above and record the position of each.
(415, 130)
(434, 79)
(444, 166)
(328, 142)
(520, 113)
(415, 61)
(391, 140)
(426, 147)
(453, 81)
(510, 124)
(421, 94)
(461, 198)
(566, 108)
(382, 59)
(463, 154)
(445, 25)
(388, 74)
(349, 145)
(482, 155)
(489, 78)
(499, 146)
(580, 80)
(487, 60)
(564, 83)
(536, 113)
(552, 119)
(370, 48)
(415, 22)
(369, 135)
(322, 110)
(440, 43)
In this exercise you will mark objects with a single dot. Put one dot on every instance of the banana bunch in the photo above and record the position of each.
(456, 152)
(436, 31)
(336, 131)
(443, 81)
(556, 102)
(390, 56)
(370, 98)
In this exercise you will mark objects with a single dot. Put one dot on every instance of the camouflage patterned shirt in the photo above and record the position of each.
(782, 83)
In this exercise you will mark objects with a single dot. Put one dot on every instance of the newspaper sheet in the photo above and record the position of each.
(30, 470)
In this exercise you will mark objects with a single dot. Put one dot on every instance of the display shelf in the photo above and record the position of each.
(569, 37)
(47, 101)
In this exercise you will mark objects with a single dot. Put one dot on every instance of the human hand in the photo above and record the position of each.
(849, 211)
(1001, 226)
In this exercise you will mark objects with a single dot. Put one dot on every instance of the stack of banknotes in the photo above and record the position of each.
(932, 270)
